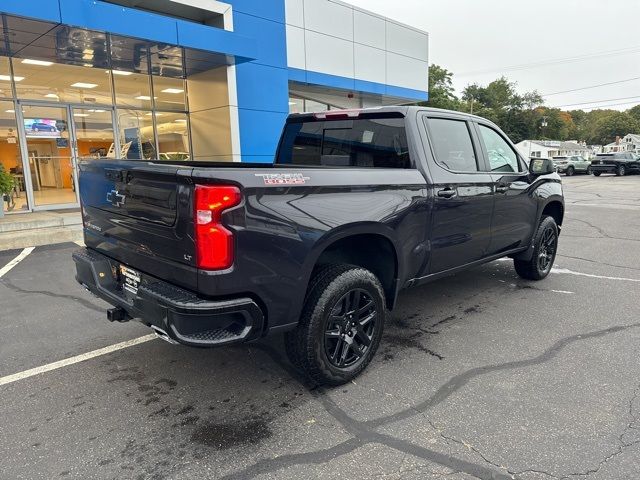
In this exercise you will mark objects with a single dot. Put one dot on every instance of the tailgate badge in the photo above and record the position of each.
(115, 198)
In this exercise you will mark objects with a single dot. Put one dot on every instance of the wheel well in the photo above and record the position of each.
(555, 210)
(373, 252)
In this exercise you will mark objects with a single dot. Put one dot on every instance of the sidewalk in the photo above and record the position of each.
(40, 228)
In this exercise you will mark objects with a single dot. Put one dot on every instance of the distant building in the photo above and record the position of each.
(552, 148)
(628, 143)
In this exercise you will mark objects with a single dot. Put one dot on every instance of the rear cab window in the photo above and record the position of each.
(375, 141)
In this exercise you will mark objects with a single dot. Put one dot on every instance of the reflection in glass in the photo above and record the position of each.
(11, 160)
(49, 153)
(137, 140)
(173, 136)
(5, 78)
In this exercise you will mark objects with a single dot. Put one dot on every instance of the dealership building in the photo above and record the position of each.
(182, 80)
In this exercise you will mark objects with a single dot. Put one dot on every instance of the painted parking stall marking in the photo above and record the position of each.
(4, 270)
(76, 359)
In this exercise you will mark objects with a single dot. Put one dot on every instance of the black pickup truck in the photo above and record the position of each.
(357, 206)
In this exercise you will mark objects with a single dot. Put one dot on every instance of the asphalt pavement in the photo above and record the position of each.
(480, 375)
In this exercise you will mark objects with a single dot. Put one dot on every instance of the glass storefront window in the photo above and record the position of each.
(11, 160)
(173, 136)
(169, 93)
(137, 139)
(5, 78)
(94, 132)
(296, 105)
(53, 82)
(132, 89)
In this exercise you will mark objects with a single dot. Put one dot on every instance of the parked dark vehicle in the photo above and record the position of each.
(620, 163)
(357, 206)
(572, 164)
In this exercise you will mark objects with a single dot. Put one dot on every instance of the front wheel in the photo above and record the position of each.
(621, 171)
(340, 327)
(545, 247)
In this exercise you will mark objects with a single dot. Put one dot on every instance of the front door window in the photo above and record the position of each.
(50, 154)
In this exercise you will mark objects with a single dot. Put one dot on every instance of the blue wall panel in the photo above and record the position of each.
(48, 11)
(262, 85)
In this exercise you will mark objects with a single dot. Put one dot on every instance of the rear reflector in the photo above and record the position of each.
(214, 243)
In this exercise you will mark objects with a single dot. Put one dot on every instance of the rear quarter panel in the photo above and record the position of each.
(282, 229)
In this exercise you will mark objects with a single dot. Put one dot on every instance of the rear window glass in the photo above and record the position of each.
(371, 142)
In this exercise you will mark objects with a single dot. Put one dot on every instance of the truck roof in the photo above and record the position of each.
(404, 110)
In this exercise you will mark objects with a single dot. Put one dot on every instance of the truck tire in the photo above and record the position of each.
(545, 247)
(341, 325)
(597, 174)
(621, 171)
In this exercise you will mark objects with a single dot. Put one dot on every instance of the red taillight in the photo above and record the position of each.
(214, 243)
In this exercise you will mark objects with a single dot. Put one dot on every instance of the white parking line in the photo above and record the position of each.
(591, 275)
(71, 360)
(4, 270)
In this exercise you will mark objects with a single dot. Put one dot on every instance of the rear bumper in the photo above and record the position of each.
(604, 168)
(185, 317)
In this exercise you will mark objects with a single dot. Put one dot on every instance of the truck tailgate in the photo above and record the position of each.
(140, 214)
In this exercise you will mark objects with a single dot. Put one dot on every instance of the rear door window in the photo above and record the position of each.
(367, 142)
(452, 145)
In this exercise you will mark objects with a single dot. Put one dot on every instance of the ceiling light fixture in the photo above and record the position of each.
(51, 95)
(80, 114)
(10, 111)
(42, 63)
(7, 78)
(84, 85)
(180, 120)
(143, 97)
(121, 72)
(172, 90)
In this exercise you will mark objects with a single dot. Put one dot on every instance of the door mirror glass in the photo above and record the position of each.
(541, 166)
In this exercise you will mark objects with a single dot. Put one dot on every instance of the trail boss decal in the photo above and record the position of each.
(283, 178)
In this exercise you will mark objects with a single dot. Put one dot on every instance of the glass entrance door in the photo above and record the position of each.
(50, 157)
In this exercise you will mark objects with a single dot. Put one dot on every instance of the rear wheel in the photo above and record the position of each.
(597, 174)
(340, 327)
(570, 171)
(621, 171)
(589, 171)
(545, 247)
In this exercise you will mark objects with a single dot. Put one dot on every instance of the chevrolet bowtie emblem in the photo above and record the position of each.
(115, 198)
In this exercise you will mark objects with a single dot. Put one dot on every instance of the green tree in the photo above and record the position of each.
(441, 92)
(614, 124)
(635, 112)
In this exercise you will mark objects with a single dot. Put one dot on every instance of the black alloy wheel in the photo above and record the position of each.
(548, 249)
(621, 171)
(350, 328)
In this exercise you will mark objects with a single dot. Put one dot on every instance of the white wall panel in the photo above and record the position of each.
(329, 17)
(294, 13)
(407, 72)
(368, 29)
(370, 63)
(406, 41)
(327, 54)
(295, 47)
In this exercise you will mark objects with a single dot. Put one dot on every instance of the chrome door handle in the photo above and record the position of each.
(447, 193)
(502, 189)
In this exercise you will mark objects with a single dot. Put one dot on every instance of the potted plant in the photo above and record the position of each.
(6, 187)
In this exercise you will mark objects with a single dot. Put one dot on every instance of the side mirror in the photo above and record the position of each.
(541, 166)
